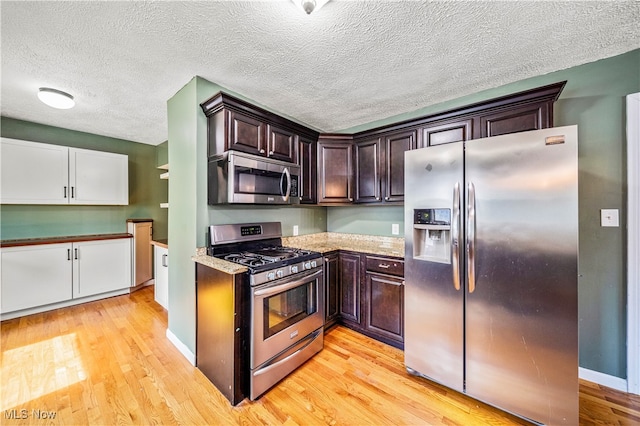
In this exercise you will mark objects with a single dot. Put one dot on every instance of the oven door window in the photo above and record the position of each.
(289, 307)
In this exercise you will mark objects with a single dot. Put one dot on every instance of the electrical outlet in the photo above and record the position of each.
(609, 217)
(295, 230)
(395, 229)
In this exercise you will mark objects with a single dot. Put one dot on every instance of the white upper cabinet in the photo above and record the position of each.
(97, 177)
(38, 173)
(34, 173)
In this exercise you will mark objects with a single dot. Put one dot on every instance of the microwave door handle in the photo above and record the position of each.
(287, 285)
(286, 175)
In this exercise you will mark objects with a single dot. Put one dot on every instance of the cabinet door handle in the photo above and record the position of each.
(351, 199)
(387, 198)
(261, 151)
(75, 254)
(270, 152)
(72, 195)
(68, 254)
(65, 192)
(164, 260)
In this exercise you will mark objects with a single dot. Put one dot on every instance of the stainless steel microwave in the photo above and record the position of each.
(238, 178)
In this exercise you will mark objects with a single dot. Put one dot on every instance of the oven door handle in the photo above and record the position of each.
(303, 343)
(286, 285)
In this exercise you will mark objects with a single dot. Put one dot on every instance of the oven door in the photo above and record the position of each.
(284, 312)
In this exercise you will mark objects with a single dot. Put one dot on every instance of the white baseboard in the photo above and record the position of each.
(603, 379)
(184, 350)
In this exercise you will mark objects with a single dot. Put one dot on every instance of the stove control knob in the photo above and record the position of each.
(314, 264)
(307, 265)
(271, 275)
(279, 273)
(294, 269)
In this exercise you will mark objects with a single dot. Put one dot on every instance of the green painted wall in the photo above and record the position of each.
(594, 99)
(189, 214)
(145, 189)
(162, 153)
(368, 220)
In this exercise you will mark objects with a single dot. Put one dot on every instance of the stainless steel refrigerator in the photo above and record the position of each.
(491, 270)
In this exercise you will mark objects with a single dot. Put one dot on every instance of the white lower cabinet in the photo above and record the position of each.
(35, 276)
(161, 290)
(46, 276)
(101, 266)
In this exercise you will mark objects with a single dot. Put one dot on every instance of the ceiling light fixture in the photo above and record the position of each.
(310, 5)
(55, 98)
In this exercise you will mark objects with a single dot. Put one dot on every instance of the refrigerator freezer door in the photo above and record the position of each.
(433, 305)
(521, 318)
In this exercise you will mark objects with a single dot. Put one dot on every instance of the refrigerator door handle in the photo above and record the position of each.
(455, 237)
(471, 236)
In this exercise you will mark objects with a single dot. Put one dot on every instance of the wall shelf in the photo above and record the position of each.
(164, 176)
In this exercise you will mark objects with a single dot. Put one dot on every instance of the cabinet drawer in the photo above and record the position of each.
(385, 265)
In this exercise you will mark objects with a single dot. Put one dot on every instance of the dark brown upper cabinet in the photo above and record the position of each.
(393, 151)
(282, 144)
(379, 166)
(335, 169)
(367, 167)
(308, 160)
(520, 119)
(439, 133)
(234, 124)
(246, 134)
(368, 176)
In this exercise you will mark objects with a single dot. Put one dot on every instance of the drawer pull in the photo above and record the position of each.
(383, 266)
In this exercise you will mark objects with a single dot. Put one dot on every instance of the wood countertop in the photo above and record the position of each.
(65, 239)
(164, 243)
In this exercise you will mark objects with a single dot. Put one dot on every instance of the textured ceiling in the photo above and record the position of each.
(352, 62)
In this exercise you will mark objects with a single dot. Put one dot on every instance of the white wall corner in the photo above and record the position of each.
(184, 350)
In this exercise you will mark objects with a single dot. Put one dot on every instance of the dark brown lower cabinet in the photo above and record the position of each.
(332, 289)
(370, 294)
(350, 298)
(384, 308)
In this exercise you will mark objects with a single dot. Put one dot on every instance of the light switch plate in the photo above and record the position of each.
(395, 229)
(609, 217)
(295, 230)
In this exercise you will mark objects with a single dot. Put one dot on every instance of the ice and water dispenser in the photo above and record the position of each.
(432, 235)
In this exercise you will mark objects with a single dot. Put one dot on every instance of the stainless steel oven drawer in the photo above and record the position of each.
(280, 366)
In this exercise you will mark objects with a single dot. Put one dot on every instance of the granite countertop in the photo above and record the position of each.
(203, 258)
(323, 242)
(330, 241)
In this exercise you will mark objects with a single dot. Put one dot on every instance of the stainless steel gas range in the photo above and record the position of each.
(286, 314)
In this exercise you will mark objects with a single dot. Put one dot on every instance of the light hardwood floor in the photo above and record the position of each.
(109, 362)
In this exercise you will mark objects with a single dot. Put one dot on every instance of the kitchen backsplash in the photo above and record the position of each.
(366, 220)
